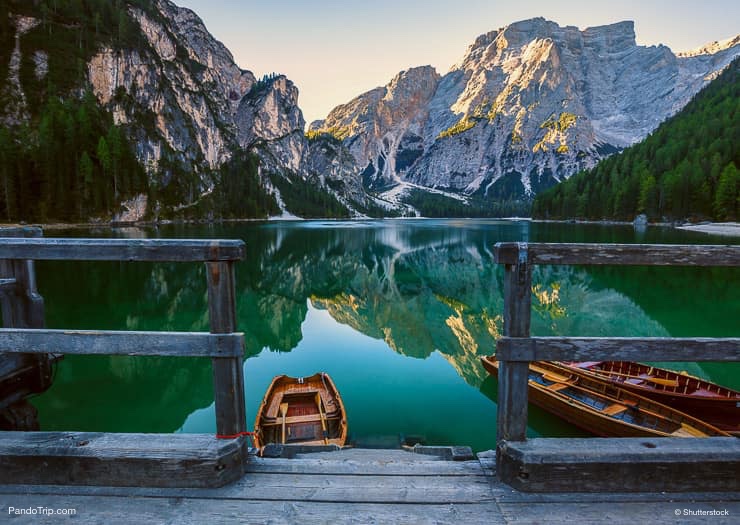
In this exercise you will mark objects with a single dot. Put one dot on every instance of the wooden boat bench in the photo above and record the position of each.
(311, 418)
(613, 410)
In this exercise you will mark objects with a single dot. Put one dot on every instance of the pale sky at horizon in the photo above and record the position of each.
(335, 50)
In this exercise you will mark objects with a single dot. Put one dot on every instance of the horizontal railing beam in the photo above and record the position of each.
(617, 349)
(619, 254)
(153, 250)
(94, 342)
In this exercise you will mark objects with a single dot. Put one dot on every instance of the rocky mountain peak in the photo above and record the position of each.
(619, 35)
(528, 105)
(712, 47)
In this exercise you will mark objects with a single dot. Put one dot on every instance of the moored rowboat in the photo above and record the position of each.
(601, 408)
(303, 410)
(715, 404)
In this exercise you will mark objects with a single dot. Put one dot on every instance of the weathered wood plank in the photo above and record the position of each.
(628, 254)
(621, 464)
(512, 377)
(185, 511)
(228, 373)
(408, 489)
(379, 466)
(22, 307)
(88, 458)
(155, 250)
(194, 344)
(618, 349)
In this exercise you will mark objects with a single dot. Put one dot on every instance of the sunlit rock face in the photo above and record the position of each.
(183, 80)
(181, 97)
(383, 128)
(528, 105)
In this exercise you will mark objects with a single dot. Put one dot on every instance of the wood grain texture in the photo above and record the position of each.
(191, 344)
(512, 379)
(88, 458)
(228, 372)
(621, 464)
(198, 512)
(22, 307)
(620, 254)
(155, 250)
(617, 349)
(355, 486)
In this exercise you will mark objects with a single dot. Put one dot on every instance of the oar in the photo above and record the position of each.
(657, 380)
(323, 418)
(550, 376)
(283, 414)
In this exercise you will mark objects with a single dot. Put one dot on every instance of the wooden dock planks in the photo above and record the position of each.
(358, 486)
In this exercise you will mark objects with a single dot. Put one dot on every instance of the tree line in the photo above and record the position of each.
(687, 168)
(77, 164)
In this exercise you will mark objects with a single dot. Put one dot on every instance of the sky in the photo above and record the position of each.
(334, 50)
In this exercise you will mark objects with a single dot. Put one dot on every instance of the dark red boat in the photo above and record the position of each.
(601, 407)
(715, 404)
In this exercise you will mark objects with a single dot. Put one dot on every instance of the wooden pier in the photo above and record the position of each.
(127, 459)
(360, 487)
(558, 465)
(196, 478)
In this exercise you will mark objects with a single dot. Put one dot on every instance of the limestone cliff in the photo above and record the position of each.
(528, 105)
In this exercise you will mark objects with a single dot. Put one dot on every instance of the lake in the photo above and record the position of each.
(398, 312)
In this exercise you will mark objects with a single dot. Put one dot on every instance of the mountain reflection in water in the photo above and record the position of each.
(398, 312)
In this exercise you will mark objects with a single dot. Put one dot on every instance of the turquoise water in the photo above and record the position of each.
(398, 312)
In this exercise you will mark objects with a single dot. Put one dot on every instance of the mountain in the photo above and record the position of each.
(187, 132)
(130, 109)
(527, 106)
(687, 168)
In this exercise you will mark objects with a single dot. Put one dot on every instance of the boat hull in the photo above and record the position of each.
(717, 405)
(301, 411)
(603, 409)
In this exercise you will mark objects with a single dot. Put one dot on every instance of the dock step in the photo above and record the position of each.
(121, 460)
(621, 464)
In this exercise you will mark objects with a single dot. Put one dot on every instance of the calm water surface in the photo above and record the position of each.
(397, 312)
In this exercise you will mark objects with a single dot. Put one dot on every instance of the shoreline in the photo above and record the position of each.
(728, 229)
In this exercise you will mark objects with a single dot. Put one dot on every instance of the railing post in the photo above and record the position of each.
(512, 375)
(23, 307)
(228, 374)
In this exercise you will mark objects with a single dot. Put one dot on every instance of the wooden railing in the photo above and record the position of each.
(223, 344)
(517, 349)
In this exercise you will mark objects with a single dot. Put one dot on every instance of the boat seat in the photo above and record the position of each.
(557, 387)
(311, 418)
(613, 410)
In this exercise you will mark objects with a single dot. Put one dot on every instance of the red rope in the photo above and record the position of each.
(248, 435)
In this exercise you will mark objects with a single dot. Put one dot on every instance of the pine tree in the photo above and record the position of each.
(725, 202)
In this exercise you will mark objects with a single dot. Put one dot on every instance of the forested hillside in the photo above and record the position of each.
(687, 168)
(63, 155)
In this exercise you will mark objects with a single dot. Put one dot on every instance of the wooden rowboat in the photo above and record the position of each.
(601, 408)
(715, 404)
(303, 410)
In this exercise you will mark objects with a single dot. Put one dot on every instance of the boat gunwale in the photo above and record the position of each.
(339, 414)
(733, 397)
(570, 403)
